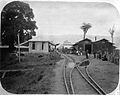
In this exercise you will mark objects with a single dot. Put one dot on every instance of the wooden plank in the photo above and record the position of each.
(3, 75)
(14, 70)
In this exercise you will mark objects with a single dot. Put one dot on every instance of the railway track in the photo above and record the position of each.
(67, 77)
(84, 73)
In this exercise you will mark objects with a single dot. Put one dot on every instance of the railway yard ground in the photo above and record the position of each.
(47, 75)
(105, 73)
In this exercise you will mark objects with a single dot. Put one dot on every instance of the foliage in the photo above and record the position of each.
(17, 17)
(85, 28)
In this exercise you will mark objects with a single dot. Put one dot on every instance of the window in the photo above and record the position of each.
(42, 45)
(33, 45)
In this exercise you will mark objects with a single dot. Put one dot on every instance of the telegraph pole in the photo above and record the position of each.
(19, 46)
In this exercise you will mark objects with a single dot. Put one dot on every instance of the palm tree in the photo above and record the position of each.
(112, 32)
(85, 28)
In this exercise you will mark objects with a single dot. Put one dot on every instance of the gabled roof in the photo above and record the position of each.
(103, 40)
(38, 39)
(82, 41)
(86, 40)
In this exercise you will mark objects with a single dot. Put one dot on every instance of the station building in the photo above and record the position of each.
(84, 45)
(102, 45)
(39, 45)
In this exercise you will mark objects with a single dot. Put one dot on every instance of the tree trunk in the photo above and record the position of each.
(112, 44)
(112, 39)
(84, 35)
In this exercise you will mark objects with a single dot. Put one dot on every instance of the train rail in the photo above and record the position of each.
(90, 80)
(67, 77)
(84, 73)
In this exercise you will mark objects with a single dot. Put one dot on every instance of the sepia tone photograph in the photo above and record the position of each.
(58, 47)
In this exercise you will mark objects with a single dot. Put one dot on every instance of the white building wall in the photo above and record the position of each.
(46, 47)
(38, 47)
(67, 46)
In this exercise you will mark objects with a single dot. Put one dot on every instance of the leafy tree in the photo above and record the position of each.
(17, 17)
(85, 28)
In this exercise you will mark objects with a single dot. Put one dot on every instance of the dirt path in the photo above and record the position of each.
(58, 86)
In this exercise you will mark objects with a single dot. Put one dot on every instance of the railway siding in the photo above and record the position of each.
(72, 85)
(106, 74)
(85, 74)
(80, 85)
(68, 68)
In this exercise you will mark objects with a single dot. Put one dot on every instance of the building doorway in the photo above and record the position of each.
(88, 47)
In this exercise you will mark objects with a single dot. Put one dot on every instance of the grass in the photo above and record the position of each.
(32, 82)
(106, 74)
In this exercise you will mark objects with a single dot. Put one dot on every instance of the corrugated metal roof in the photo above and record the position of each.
(82, 41)
(103, 40)
(41, 38)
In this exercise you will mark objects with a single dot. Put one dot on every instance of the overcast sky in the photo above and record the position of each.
(59, 18)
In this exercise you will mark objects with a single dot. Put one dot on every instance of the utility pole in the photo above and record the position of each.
(95, 38)
(19, 46)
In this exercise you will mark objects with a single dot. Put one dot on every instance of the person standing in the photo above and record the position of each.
(86, 53)
(94, 55)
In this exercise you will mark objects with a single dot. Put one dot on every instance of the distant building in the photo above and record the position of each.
(103, 45)
(67, 44)
(65, 47)
(39, 45)
(84, 45)
(100, 45)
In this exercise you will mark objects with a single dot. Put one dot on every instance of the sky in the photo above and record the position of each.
(64, 18)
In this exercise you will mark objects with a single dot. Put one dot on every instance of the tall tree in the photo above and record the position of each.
(112, 33)
(17, 17)
(85, 28)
